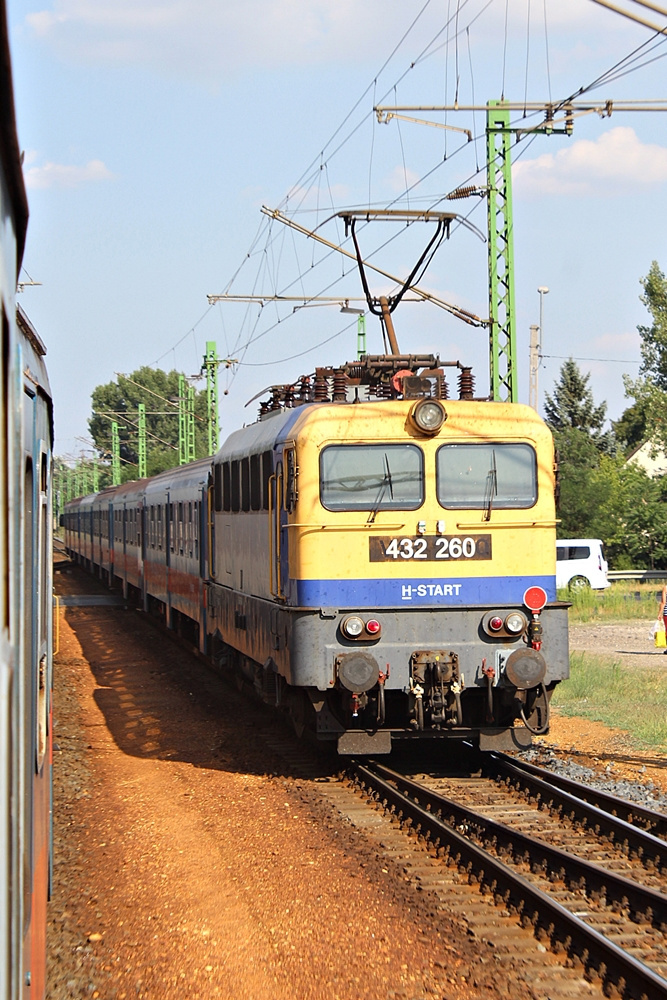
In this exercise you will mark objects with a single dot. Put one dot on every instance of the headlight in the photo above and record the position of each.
(352, 627)
(515, 623)
(429, 415)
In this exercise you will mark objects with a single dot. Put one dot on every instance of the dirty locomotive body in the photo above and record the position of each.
(381, 568)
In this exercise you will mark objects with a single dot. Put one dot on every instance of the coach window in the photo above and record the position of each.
(489, 476)
(217, 485)
(267, 472)
(236, 490)
(255, 483)
(226, 486)
(372, 477)
(245, 484)
(190, 530)
(171, 525)
(195, 529)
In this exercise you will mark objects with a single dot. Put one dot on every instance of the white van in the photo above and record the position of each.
(580, 562)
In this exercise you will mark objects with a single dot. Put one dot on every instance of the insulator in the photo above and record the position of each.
(466, 384)
(443, 388)
(264, 407)
(321, 388)
(288, 398)
(355, 371)
(275, 399)
(462, 192)
(384, 390)
(304, 388)
(339, 386)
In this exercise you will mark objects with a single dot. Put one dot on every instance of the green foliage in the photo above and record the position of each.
(654, 337)
(119, 400)
(572, 407)
(631, 428)
(630, 698)
(578, 457)
(650, 389)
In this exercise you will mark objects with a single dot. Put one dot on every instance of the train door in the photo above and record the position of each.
(282, 501)
(169, 541)
(276, 510)
(110, 533)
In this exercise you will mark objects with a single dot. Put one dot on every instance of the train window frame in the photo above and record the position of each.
(255, 482)
(235, 486)
(226, 486)
(291, 479)
(381, 498)
(487, 497)
(245, 484)
(267, 472)
(218, 491)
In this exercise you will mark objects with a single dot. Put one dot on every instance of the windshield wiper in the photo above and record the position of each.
(491, 487)
(386, 482)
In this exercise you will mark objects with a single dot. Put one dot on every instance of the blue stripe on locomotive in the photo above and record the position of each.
(437, 592)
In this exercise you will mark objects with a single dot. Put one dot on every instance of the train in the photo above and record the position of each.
(26, 604)
(370, 555)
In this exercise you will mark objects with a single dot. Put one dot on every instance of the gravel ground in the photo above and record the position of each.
(189, 865)
(647, 794)
(630, 641)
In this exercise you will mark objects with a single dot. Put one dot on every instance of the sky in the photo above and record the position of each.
(155, 130)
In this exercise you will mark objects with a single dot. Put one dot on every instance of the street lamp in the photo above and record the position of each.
(542, 290)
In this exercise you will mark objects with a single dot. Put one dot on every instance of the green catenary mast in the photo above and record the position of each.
(502, 311)
(211, 362)
(141, 428)
(115, 454)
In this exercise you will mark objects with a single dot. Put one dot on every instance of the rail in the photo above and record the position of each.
(448, 825)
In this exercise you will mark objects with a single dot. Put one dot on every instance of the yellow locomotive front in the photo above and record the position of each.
(417, 551)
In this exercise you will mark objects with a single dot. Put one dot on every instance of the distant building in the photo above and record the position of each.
(651, 458)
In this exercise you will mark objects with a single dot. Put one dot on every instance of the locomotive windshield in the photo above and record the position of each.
(480, 475)
(372, 477)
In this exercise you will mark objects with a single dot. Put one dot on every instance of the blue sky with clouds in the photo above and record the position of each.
(154, 131)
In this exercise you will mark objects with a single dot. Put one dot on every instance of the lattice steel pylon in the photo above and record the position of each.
(190, 426)
(141, 431)
(115, 454)
(502, 310)
(211, 362)
(182, 421)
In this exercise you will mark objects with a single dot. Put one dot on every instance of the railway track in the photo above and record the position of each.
(587, 871)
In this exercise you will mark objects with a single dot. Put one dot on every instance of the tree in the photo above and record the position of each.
(572, 407)
(650, 388)
(579, 500)
(654, 337)
(631, 428)
(630, 514)
(158, 391)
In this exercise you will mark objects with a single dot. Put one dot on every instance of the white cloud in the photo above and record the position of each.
(616, 161)
(59, 175)
(210, 39)
(213, 37)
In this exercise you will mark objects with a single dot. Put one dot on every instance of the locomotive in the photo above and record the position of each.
(370, 555)
(26, 438)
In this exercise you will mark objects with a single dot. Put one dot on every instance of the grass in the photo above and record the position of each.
(630, 698)
(623, 600)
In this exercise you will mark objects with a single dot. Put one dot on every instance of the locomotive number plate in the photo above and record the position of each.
(431, 548)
